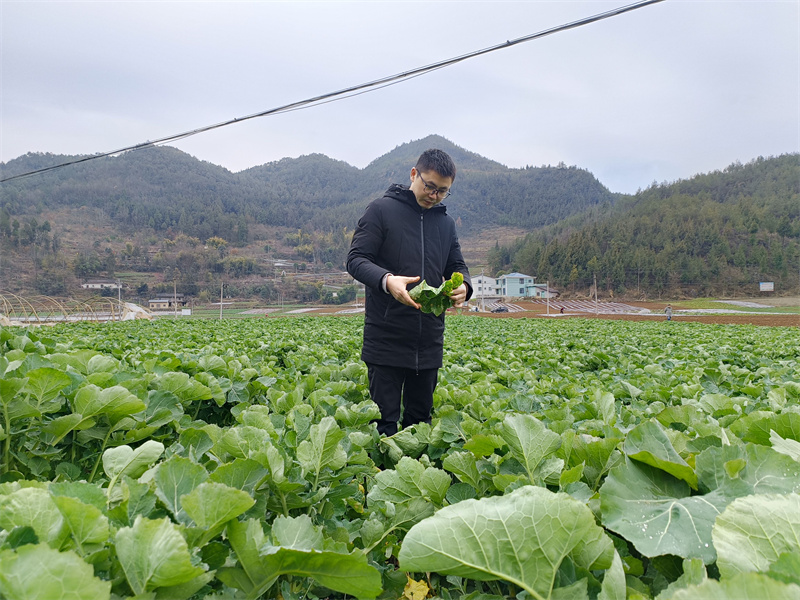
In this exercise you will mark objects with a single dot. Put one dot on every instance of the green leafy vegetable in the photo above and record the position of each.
(745, 586)
(154, 554)
(522, 538)
(436, 300)
(754, 531)
(241, 453)
(41, 573)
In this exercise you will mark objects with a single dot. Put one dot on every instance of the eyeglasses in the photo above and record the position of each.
(441, 193)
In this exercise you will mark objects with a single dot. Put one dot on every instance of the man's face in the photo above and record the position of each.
(429, 188)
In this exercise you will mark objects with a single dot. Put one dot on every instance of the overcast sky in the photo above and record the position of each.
(657, 94)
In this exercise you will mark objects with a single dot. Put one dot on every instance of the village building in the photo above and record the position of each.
(167, 302)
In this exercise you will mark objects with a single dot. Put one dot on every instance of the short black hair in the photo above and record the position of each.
(438, 161)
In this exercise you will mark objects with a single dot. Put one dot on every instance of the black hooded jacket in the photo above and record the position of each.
(396, 235)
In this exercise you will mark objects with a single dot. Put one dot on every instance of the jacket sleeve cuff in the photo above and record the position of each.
(384, 281)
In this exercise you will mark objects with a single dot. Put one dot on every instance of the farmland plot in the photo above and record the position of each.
(237, 459)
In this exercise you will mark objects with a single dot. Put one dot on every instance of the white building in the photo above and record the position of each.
(484, 286)
(513, 285)
(101, 284)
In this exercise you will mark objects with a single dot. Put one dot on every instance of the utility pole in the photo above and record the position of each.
(483, 291)
(595, 294)
(221, 286)
(547, 293)
(175, 297)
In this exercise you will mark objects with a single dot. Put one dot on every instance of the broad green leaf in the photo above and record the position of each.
(246, 539)
(38, 572)
(346, 573)
(736, 471)
(20, 536)
(322, 449)
(529, 441)
(614, 581)
(436, 300)
(757, 426)
(136, 499)
(184, 387)
(460, 492)
(10, 387)
(114, 402)
(87, 493)
(464, 465)
(213, 364)
(154, 554)
(694, 573)
(124, 460)
(745, 586)
(33, 507)
(45, 383)
(656, 512)
(357, 415)
(410, 479)
(597, 455)
(174, 478)
(242, 474)
(298, 533)
(777, 398)
(211, 505)
(436, 482)
(182, 591)
(102, 364)
(522, 538)
(79, 360)
(349, 574)
(410, 512)
(718, 405)
(211, 382)
(754, 531)
(786, 568)
(648, 443)
(483, 445)
(606, 407)
(788, 447)
(162, 408)
(245, 442)
(86, 523)
(61, 426)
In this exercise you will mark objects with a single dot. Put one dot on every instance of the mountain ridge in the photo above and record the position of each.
(164, 204)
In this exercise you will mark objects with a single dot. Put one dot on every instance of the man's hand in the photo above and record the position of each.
(396, 286)
(459, 295)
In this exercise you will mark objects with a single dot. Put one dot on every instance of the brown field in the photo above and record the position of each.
(657, 313)
(538, 310)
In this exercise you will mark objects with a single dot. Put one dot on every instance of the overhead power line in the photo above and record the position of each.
(350, 91)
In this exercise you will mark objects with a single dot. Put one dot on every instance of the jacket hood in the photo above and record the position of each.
(405, 195)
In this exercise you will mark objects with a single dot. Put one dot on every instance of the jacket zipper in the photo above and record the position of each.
(422, 278)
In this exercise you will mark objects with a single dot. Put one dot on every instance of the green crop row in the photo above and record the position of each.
(238, 459)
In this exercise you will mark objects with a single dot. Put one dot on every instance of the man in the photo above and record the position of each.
(403, 238)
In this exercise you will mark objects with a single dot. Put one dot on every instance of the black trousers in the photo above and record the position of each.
(391, 387)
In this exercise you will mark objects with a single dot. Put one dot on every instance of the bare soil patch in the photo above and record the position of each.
(657, 313)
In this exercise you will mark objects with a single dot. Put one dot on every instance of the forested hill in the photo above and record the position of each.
(711, 234)
(163, 188)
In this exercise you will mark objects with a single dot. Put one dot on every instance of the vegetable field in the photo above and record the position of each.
(566, 459)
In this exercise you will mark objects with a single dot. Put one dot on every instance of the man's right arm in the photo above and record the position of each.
(364, 249)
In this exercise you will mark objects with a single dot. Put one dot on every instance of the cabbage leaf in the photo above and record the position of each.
(436, 300)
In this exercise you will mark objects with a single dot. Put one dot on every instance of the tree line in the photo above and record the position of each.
(711, 234)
